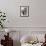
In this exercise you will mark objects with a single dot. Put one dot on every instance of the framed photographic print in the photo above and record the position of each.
(24, 11)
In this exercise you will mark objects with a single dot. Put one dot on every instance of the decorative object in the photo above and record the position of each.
(44, 44)
(7, 30)
(2, 19)
(8, 40)
(24, 11)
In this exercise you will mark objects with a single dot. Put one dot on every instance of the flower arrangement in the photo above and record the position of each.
(2, 19)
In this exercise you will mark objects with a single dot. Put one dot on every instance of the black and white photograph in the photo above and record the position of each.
(24, 11)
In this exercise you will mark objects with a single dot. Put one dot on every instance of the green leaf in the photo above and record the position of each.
(0, 12)
(3, 19)
(4, 16)
(2, 26)
(0, 21)
(4, 13)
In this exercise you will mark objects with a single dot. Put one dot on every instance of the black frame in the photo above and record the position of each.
(27, 11)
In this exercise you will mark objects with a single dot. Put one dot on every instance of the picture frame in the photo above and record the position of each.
(24, 11)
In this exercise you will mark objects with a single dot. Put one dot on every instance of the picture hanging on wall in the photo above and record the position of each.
(24, 11)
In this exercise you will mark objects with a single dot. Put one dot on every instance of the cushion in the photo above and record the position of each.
(26, 39)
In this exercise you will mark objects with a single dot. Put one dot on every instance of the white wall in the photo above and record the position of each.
(37, 13)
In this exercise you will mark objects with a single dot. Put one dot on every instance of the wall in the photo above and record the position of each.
(37, 13)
